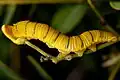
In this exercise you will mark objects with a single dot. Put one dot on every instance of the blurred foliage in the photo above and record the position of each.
(7, 74)
(39, 68)
(71, 19)
(63, 18)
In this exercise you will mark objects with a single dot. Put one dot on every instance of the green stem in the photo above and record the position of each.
(89, 51)
(37, 49)
(114, 71)
(56, 60)
(96, 11)
(107, 27)
(107, 44)
(111, 61)
(47, 56)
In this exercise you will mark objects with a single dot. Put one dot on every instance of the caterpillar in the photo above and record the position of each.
(55, 39)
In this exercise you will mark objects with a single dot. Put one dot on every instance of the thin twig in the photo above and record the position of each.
(89, 51)
(37, 49)
(96, 11)
(107, 27)
(114, 71)
(111, 61)
(56, 59)
(47, 56)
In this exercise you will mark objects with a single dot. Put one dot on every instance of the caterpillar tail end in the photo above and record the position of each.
(93, 48)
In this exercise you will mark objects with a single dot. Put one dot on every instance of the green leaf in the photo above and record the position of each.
(40, 70)
(7, 73)
(66, 19)
(115, 5)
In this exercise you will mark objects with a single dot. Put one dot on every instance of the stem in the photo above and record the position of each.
(107, 27)
(111, 61)
(47, 56)
(56, 60)
(89, 51)
(37, 49)
(96, 11)
(114, 71)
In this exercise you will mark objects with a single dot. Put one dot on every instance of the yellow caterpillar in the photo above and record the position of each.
(54, 39)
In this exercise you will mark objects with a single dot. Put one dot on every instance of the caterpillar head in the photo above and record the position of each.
(112, 37)
(7, 31)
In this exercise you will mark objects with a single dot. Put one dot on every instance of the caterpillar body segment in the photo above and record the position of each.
(26, 30)
(17, 28)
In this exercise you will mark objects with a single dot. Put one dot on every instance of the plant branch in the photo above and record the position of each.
(56, 60)
(111, 61)
(114, 71)
(37, 49)
(89, 51)
(96, 11)
(107, 27)
(47, 56)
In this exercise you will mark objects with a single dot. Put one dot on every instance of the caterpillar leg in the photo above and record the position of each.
(19, 41)
(92, 47)
(50, 46)
(62, 54)
(80, 52)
